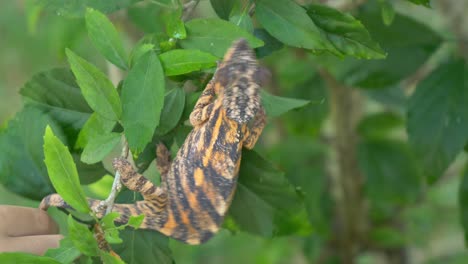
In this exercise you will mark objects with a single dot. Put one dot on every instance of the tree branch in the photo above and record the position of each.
(454, 12)
(345, 176)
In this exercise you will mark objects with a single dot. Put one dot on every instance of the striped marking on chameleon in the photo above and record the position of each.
(214, 136)
(198, 176)
(222, 165)
(217, 201)
(170, 225)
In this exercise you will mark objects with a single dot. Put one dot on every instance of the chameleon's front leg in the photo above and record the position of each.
(204, 106)
(137, 182)
(253, 133)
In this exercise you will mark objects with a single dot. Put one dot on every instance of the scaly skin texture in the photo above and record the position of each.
(197, 187)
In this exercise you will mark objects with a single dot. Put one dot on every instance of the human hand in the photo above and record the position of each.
(27, 230)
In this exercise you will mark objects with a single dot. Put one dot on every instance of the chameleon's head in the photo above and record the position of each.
(240, 79)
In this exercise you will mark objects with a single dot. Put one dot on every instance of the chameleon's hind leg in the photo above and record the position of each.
(204, 106)
(254, 132)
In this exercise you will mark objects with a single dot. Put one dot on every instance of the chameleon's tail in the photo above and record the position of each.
(125, 210)
(55, 200)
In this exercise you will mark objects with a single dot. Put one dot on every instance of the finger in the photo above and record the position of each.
(25, 221)
(30, 244)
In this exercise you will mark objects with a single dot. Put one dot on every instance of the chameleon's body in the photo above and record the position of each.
(197, 187)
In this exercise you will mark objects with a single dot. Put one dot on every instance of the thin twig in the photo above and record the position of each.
(115, 76)
(188, 9)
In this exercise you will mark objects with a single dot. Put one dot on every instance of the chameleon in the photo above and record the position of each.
(198, 185)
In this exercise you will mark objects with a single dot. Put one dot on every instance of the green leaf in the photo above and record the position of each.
(98, 91)
(438, 117)
(56, 92)
(223, 8)
(139, 50)
(82, 237)
(182, 61)
(142, 99)
(214, 36)
(388, 12)
(345, 32)
(404, 40)
(16, 257)
(108, 220)
(271, 44)
(111, 232)
(174, 103)
(144, 246)
(392, 174)
(106, 38)
(243, 21)
(265, 202)
(463, 201)
(276, 105)
(65, 253)
(22, 157)
(379, 125)
(95, 126)
(426, 3)
(147, 17)
(136, 221)
(78, 8)
(175, 27)
(98, 147)
(63, 173)
(289, 23)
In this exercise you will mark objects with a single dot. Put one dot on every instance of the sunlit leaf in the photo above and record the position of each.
(17, 257)
(62, 172)
(182, 61)
(99, 146)
(136, 221)
(142, 100)
(95, 126)
(106, 38)
(97, 89)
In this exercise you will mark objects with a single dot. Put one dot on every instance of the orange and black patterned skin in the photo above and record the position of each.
(197, 187)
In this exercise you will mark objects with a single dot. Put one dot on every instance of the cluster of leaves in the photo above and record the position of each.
(87, 113)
